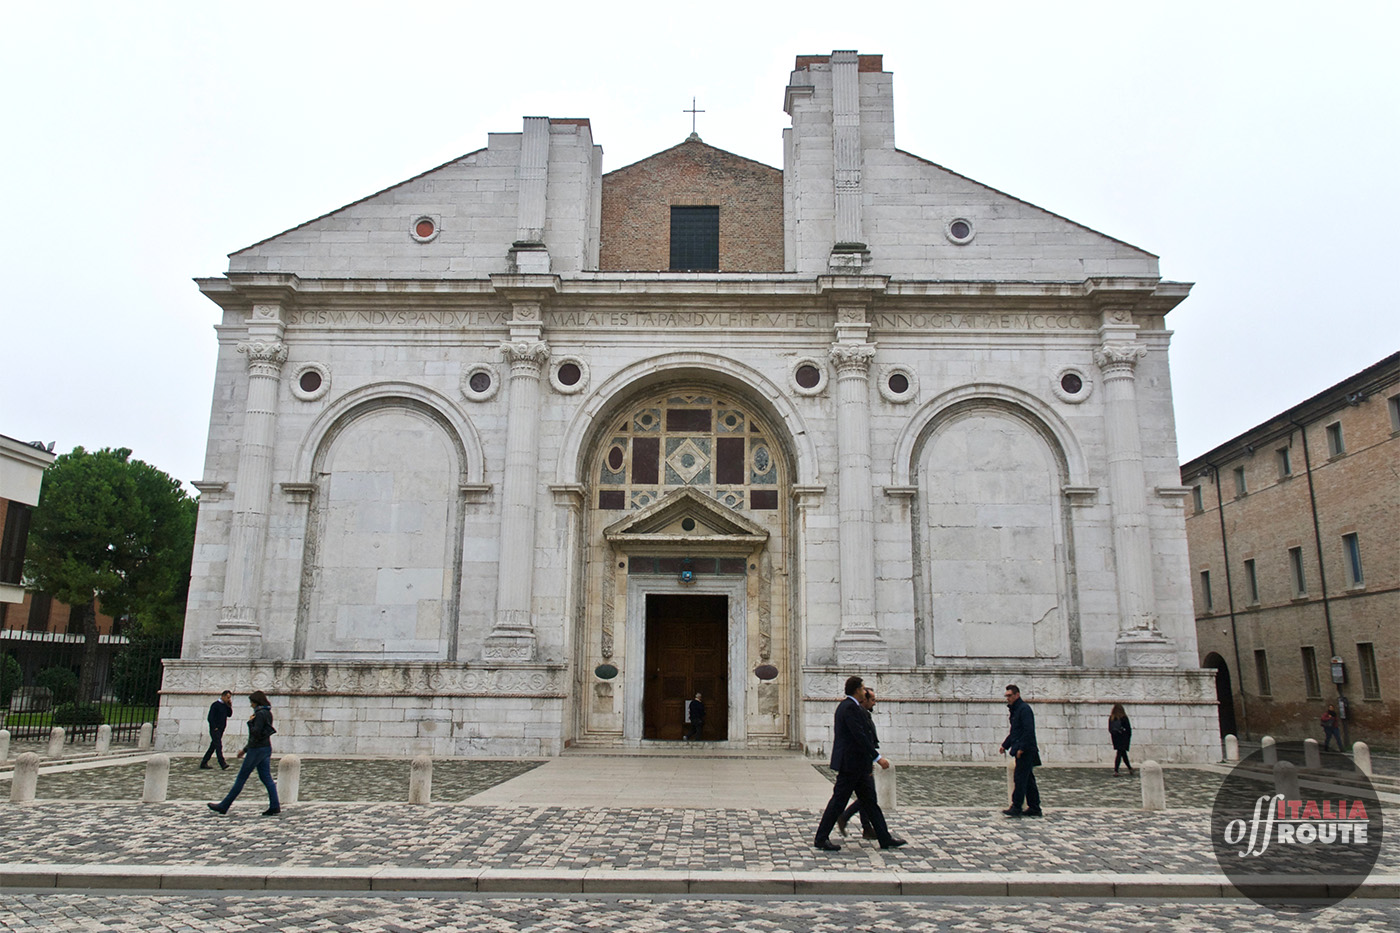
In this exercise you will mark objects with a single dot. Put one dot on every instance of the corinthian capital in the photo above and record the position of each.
(264, 354)
(525, 351)
(852, 357)
(1119, 357)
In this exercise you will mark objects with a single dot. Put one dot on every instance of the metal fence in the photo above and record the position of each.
(40, 673)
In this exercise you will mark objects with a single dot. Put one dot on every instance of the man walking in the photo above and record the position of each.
(1020, 744)
(219, 712)
(853, 757)
(867, 703)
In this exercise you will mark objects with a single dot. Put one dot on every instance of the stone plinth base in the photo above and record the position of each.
(959, 714)
(391, 708)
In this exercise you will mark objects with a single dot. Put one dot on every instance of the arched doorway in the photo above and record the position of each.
(687, 519)
(1224, 693)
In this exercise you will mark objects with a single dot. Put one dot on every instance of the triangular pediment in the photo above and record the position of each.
(686, 520)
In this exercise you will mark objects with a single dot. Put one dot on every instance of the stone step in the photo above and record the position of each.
(609, 881)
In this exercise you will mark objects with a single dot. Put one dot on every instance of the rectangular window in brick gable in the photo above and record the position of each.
(694, 239)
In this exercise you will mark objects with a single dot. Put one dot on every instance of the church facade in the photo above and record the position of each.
(518, 455)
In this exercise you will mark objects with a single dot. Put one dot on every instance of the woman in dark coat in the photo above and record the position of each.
(1120, 730)
(256, 754)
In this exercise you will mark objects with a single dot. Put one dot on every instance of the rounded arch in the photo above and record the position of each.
(606, 400)
(1030, 409)
(434, 405)
(1224, 692)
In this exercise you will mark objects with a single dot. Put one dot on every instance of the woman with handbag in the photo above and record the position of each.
(256, 754)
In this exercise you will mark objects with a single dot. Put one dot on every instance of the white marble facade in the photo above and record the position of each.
(937, 449)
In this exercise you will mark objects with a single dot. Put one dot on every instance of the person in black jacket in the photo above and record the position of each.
(867, 703)
(853, 757)
(695, 710)
(1020, 743)
(256, 754)
(219, 712)
(1120, 732)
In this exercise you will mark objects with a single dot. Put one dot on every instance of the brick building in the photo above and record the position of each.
(1294, 533)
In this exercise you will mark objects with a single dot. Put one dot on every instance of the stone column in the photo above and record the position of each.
(513, 637)
(528, 253)
(1140, 642)
(849, 253)
(859, 642)
(238, 633)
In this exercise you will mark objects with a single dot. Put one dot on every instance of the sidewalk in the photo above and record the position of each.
(602, 825)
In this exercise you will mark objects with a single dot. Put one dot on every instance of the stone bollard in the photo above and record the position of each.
(1266, 745)
(1010, 779)
(884, 788)
(56, 738)
(104, 739)
(1154, 786)
(157, 779)
(1361, 757)
(25, 781)
(4, 744)
(1312, 756)
(143, 738)
(1232, 748)
(420, 780)
(289, 778)
(1286, 781)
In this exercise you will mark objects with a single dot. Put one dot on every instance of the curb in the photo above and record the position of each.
(611, 882)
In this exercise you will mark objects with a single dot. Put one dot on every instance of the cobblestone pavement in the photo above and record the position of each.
(965, 786)
(322, 779)
(263, 914)
(464, 836)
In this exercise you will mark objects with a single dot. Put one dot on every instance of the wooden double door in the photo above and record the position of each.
(687, 652)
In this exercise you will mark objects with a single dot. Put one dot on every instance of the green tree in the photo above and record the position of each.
(113, 532)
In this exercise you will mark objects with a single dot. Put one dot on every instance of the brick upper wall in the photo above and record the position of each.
(637, 201)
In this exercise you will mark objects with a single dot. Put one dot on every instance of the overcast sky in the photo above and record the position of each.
(1253, 146)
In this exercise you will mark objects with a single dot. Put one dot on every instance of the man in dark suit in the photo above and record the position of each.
(1020, 744)
(853, 757)
(219, 712)
(867, 703)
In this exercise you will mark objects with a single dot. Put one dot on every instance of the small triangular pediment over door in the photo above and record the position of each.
(686, 522)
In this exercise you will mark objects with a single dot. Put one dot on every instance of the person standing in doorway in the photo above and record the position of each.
(1331, 729)
(257, 754)
(1120, 733)
(695, 712)
(219, 712)
(853, 758)
(1020, 744)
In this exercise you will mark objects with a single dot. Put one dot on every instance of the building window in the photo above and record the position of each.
(40, 605)
(1351, 547)
(694, 239)
(1335, 446)
(1251, 582)
(1394, 404)
(1207, 602)
(1285, 462)
(691, 439)
(1295, 564)
(1310, 681)
(1241, 488)
(1370, 678)
(1197, 499)
(12, 543)
(1261, 671)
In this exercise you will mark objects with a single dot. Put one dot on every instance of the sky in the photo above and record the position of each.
(1251, 145)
